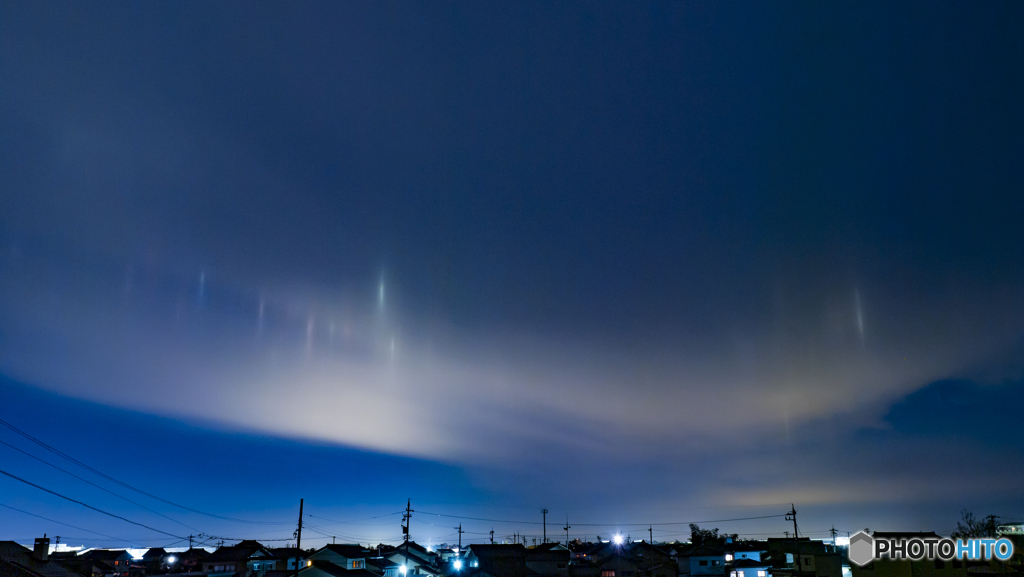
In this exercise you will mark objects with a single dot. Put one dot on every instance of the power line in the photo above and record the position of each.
(219, 538)
(67, 539)
(68, 524)
(328, 533)
(97, 486)
(607, 524)
(354, 522)
(482, 519)
(126, 485)
(684, 522)
(17, 478)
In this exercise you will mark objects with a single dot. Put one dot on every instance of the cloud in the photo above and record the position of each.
(358, 373)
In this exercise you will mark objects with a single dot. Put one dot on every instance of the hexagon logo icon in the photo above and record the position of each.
(861, 548)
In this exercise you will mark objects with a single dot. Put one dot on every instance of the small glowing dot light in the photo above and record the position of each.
(172, 559)
(458, 565)
(309, 563)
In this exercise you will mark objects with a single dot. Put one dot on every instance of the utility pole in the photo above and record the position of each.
(460, 536)
(833, 531)
(566, 529)
(406, 521)
(190, 541)
(545, 513)
(334, 540)
(406, 517)
(492, 536)
(298, 541)
(650, 532)
(797, 562)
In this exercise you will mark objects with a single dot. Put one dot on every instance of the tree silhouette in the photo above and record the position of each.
(969, 527)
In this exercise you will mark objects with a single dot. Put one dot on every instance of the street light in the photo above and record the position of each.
(618, 539)
(458, 565)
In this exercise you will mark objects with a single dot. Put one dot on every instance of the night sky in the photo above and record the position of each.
(631, 262)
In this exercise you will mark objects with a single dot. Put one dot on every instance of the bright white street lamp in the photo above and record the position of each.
(617, 539)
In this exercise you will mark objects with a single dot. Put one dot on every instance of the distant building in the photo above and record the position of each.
(751, 550)
(633, 559)
(700, 560)
(185, 561)
(349, 557)
(907, 568)
(107, 562)
(1011, 529)
(749, 568)
(19, 559)
(802, 558)
(446, 554)
(548, 560)
(416, 560)
(8, 569)
(498, 560)
(381, 566)
(232, 561)
(321, 568)
(265, 560)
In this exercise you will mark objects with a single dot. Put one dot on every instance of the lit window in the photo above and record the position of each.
(728, 556)
(607, 573)
(733, 574)
(762, 573)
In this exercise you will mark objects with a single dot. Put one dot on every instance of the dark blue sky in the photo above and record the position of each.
(635, 263)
